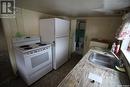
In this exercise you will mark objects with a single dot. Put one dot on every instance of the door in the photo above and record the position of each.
(61, 27)
(39, 60)
(80, 35)
(61, 51)
(72, 36)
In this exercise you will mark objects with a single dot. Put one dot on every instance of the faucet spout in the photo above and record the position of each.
(120, 60)
(115, 55)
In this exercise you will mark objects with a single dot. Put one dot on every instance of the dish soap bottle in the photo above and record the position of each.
(117, 49)
(113, 47)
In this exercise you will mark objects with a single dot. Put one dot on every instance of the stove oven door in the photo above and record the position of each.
(39, 60)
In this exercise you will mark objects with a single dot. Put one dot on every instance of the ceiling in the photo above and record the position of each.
(76, 8)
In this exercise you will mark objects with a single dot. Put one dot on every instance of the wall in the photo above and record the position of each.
(101, 27)
(26, 22)
(3, 44)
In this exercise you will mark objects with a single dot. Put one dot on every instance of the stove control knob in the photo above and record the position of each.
(47, 47)
(31, 52)
(27, 53)
(35, 51)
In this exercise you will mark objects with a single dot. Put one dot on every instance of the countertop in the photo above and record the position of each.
(78, 76)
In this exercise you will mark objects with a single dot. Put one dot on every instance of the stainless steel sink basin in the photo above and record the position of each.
(103, 60)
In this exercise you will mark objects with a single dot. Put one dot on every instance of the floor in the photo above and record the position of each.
(6, 71)
(52, 79)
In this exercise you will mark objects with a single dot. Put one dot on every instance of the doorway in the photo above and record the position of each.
(6, 72)
(80, 35)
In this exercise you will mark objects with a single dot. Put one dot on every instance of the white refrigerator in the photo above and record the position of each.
(56, 31)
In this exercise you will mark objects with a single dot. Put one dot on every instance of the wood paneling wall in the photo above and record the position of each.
(101, 28)
(26, 22)
(3, 44)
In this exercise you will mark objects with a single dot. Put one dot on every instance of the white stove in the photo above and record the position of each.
(33, 58)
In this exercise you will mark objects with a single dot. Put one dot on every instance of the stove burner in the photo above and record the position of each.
(41, 44)
(38, 43)
(24, 46)
(27, 48)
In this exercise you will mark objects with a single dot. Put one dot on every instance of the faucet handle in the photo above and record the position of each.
(121, 63)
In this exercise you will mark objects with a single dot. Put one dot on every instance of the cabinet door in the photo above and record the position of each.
(61, 51)
(61, 27)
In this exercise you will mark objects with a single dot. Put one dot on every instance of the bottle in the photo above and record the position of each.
(113, 47)
(117, 49)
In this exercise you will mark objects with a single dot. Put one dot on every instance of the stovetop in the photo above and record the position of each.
(31, 46)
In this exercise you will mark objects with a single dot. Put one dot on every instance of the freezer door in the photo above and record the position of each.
(61, 27)
(47, 31)
(61, 51)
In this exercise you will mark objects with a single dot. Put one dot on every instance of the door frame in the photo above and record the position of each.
(73, 23)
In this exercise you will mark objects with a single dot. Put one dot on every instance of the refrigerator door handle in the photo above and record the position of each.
(53, 43)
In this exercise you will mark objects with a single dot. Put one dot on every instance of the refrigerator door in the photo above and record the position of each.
(61, 27)
(61, 51)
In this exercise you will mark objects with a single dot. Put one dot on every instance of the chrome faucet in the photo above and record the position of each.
(119, 59)
(115, 55)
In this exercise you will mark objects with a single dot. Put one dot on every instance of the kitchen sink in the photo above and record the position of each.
(103, 60)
